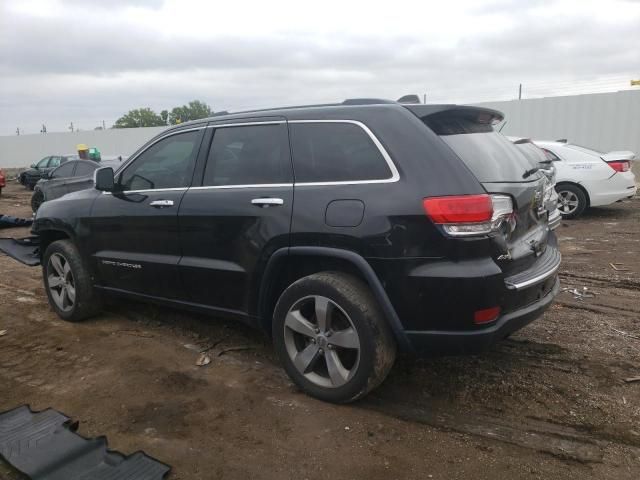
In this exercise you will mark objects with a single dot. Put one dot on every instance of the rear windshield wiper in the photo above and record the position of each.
(530, 172)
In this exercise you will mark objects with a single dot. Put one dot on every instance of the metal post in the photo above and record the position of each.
(520, 92)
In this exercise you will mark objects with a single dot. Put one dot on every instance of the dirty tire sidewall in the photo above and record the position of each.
(87, 302)
(377, 345)
(582, 199)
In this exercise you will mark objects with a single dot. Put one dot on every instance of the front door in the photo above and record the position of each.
(238, 216)
(135, 227)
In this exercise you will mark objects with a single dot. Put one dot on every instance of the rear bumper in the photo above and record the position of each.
(436, 342)
(620, 186)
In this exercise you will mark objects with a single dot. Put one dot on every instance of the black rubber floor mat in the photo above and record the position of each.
(24, 250)
(44, 446)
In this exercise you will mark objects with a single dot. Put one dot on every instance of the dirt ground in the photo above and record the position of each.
(550, 402)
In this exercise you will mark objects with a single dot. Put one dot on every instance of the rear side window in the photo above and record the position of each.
(65, 170)
(335, 152)
(84, 168)
(249, 155)
(488, 154)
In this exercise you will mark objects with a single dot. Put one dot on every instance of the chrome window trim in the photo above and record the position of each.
(149, 190)
(248, 124)
(395, 175)
(257, 185)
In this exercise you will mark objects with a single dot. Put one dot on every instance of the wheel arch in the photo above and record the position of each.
(48, 236)
(284, 267)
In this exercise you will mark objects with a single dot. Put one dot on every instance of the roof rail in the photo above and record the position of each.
(367, 101)
(562, 140)
(220, 113)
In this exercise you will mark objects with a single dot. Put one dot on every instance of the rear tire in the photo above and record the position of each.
(67, 282)
(572, 200)
(332, 338)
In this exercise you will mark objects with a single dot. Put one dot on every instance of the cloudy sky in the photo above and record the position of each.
(85, 61)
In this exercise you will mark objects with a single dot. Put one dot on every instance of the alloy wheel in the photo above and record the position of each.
(61, 282)
(322, 341)
(567, 202)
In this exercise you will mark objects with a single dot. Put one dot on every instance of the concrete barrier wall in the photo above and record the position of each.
(602, 121)
(23, 150)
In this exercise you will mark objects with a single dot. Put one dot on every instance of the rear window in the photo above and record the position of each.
(582, 149)
(335, 152)
(488, 154)
(533, 153)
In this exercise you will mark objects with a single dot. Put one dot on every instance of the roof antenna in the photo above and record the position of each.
(502, 126)
(411, 99)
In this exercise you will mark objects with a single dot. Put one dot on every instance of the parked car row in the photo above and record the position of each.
(346, 232)
(70, 177)
(38, 170)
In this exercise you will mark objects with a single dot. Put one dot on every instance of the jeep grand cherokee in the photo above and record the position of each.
(346, 231)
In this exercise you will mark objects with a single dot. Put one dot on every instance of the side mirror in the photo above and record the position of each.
(103, 179)
(48, 175)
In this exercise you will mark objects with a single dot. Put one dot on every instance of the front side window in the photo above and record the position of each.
(65, 170)
(43, 163)
(335, 152)
(168, 163)
(54, 162)
(249, 155)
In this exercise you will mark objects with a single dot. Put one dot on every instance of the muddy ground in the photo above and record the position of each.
(550, 402)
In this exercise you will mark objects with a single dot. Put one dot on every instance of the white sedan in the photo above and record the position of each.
(587, 178)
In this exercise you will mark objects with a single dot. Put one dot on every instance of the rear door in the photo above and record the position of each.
(502, 169)
(238, 215)
(82, 176)
(57, 185)
(134, 230)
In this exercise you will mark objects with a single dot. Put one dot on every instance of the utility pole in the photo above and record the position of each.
(520, 92)
(424, 97)
(71, 127)
(103, 127)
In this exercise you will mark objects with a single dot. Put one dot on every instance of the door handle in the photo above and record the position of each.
(162, 203)
(267, 202)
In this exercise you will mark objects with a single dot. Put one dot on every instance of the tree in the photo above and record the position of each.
(195, 110)
(164, 114)
(140, 117)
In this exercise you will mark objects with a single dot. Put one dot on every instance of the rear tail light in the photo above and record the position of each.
(468, 215)
(621, 166)
(486, 316)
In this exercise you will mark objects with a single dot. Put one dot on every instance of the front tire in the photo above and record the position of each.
(572, 200)
(332, 338)
(67, 282)
(37, 199)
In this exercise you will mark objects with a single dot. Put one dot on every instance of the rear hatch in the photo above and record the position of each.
(502, 169)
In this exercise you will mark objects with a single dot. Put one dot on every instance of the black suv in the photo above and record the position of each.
(347, 232)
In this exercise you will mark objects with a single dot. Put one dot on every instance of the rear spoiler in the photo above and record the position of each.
(619, 156)
(479, 114)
